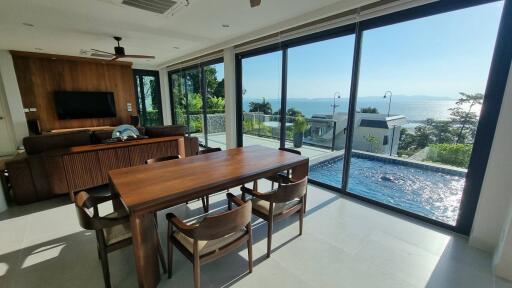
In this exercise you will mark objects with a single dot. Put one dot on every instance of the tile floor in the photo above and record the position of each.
(345, 244)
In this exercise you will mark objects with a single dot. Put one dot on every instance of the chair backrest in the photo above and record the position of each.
(288, 192)
(290, 150)
(162, 159)
(220, 225)
(209, 150)
(84, 211)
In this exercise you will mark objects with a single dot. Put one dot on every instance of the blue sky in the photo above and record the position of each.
(435, 56)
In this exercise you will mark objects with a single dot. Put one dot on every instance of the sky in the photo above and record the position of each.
(437, 56)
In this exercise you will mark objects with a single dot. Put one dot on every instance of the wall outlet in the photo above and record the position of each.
(129, 106)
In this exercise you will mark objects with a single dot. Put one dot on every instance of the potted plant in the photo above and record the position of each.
(299, 126)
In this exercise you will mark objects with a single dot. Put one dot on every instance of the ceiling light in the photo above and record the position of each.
(28, 24)
(225, 26)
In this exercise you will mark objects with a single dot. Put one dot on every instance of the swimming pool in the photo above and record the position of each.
(433, 193)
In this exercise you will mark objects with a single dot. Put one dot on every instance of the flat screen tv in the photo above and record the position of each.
(79, 104)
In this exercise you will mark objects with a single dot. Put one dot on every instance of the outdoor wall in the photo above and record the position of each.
(496, 193)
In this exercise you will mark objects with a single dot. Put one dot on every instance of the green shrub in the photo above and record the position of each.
(451, 154)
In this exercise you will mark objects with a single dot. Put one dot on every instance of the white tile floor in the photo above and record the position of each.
(345, 244)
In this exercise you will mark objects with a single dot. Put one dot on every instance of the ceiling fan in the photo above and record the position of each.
(118, 52)
(255, 3)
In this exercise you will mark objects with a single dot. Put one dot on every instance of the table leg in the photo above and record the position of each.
(144, 248)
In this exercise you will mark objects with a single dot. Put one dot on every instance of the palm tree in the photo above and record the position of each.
(264, 107)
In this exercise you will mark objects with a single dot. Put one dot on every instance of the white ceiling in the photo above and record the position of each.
(67, 26)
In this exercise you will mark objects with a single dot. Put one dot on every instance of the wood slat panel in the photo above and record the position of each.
(112, 159)
(139, 154)
(83, 171)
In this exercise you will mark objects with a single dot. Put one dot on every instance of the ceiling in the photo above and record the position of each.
(67, 26)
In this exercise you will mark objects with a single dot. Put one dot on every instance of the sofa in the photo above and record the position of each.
(43, 170)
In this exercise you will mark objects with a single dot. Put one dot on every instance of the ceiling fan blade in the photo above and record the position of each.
(139, 56)
(101, 55)
(255, 3)
(104, 52)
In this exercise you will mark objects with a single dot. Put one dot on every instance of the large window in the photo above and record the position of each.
(420, 92)
(198, 102)
(387, 109)
(318, 90)
(261, 99)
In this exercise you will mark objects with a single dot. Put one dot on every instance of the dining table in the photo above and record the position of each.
(146, 189)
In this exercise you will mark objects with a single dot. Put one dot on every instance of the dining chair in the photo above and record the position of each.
(278, 177)
(112, 230)
(278, 204)
(211, 237)
(206, 199)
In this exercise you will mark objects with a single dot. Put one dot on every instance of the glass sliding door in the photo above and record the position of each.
(319, 76)
(215, 105)
(149, 102)
(197, 96)
(420, 91)
(261, 99)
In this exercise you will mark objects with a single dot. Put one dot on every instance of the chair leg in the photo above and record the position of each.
(272, 185)
(104, 261)
(169, 252)
(249, 247)
(269, 236)
(197, 271)
(301, 219)
(206, 203)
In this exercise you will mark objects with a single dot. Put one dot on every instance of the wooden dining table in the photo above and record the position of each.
(147, 189)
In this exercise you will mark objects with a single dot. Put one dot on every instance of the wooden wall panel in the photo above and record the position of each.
(40, 75)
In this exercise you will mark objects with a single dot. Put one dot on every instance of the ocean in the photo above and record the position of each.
(415, 108)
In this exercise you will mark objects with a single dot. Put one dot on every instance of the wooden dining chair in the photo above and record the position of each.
(162, 159)
(112, 230)
(278, 177)
(211, 237)
(206, 199)
(278, 204)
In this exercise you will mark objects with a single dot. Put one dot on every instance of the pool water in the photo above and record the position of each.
(426, 192)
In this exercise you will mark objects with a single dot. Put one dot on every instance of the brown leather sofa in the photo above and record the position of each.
(39, 173)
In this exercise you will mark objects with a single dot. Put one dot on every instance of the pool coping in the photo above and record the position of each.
(400, 161)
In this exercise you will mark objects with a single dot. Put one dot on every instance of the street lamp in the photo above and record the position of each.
(390, 96)
(337, 95)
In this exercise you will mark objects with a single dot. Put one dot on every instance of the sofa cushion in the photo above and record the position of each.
(52, 141)
(164, 131)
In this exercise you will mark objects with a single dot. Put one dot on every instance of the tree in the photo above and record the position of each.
(292, 112)
(372, 110)
(372, 140)
(264, 107)
(466, 120)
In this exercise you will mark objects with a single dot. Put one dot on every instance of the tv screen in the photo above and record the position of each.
(79, 105)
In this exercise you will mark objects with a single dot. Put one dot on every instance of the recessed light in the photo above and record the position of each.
(39, 49)
(225, 26)
(53, 58)
(28, 24)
